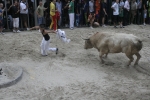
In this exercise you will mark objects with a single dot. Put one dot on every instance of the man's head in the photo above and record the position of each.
(1, 5)
(23, 0)
(15, 2)
(42, 26)
(40, 3)
(117, 1)
(54, 1)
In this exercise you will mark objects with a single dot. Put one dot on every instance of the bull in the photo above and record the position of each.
(115, 43)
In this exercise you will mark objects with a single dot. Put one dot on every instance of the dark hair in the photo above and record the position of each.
(42, 25)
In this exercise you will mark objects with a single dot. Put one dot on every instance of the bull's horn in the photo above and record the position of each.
(84, 38)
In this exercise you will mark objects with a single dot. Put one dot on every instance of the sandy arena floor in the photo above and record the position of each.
(75, 73)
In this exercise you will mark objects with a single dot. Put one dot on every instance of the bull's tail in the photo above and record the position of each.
(139, 45)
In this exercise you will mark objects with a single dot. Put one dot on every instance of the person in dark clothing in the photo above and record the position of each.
(85, 12)
(31, 13)
(9, 14)
(15, 16)
(104, 12)
(65, 6)
(47, 13)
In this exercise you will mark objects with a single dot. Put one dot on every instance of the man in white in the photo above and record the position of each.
(71, 14)
(115, 8)
(24, 13)
(91, 6)
(59, 8)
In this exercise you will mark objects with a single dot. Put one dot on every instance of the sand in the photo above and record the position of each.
(75, 73)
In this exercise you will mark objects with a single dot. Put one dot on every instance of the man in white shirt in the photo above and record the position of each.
(91, 6)
(126, 12)
(115, 8)
(24, 13)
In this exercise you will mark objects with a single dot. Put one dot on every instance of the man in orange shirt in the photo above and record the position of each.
(53, 15)
(97, 9)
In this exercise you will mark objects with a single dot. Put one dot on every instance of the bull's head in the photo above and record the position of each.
(87, 44)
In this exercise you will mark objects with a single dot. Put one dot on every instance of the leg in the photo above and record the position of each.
(138, 57)
(52, 22)
(42, 47)
(100, 56)
(70, 19)
(130, 56)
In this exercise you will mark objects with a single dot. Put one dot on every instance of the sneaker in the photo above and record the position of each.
(39, 30)
(104, 25)
(115, 26)
(91, 27)
(56, 51)
(144, 24)
(18, 31)
(2, 33)
(28, 29)
(71, 28)
(14, 31)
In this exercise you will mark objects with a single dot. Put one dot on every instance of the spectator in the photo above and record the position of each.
(115, 8)
(104, 12)
(24, 13)
(148, 4)
(71, 14)
(85, 12)
(139, 12)
(59, 8)
(91, 6)
(144, 12)
(97, 9)
(121, 5)
(1, 18)
(133, 10)
(65, 15)
(91, 19)
(9, 12)
(47, 13)
(78, 13)
(15, 16)
(53, 15)
(31, 13)
(126, 12)
(40, 13)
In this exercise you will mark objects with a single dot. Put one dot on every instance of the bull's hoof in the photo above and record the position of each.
(135, 64)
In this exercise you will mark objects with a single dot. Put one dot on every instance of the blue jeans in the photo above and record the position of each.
(10, 21)
(40, 20)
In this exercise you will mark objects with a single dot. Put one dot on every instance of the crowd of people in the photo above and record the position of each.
(65, 13)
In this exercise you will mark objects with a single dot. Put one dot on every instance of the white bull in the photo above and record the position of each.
(115, 43)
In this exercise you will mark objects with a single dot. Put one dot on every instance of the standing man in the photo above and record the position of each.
(47, 13)
(53, 15)
(59, 8)
(15, 15)
(9, 12)
(126, 12)
(104, 12)
(115, 8)
(71, 14)
(65, 16)
(24, 13)
(133, 10)
(40, 13)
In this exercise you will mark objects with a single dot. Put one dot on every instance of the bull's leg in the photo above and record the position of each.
(106, 55)
(130, 56)
(100, 56)
(138, 57)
